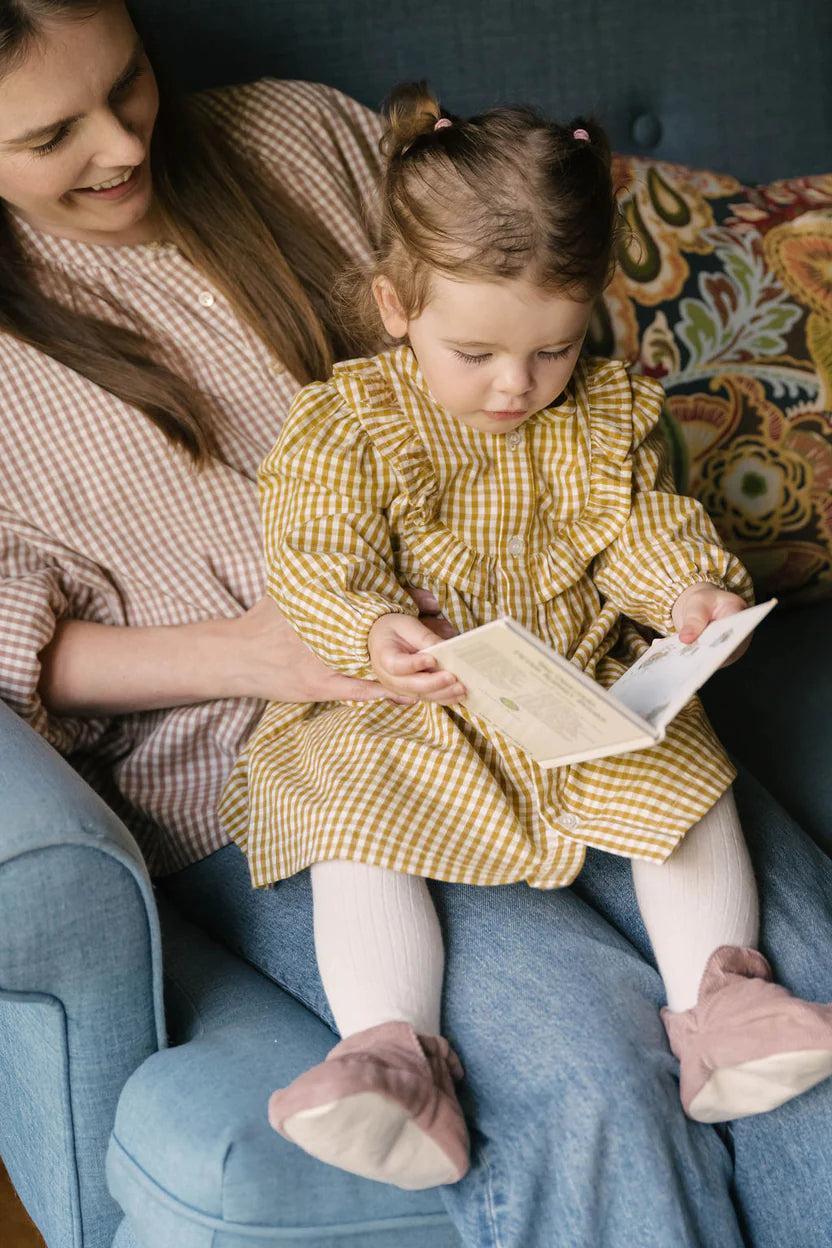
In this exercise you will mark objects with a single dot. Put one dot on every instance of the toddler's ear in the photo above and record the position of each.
(390, 309)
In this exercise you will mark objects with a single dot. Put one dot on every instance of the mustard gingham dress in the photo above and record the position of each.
(568, 524)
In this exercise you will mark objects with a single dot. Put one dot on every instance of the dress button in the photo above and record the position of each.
(276, 368)
(515, 545)
(569, 821)
(513, 439)
(206, 299)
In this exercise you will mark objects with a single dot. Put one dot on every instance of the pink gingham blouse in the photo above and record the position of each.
(100, 519)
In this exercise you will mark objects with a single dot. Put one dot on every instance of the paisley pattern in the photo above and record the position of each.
(724, 293)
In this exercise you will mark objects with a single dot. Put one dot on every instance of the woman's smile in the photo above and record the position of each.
(113, 188)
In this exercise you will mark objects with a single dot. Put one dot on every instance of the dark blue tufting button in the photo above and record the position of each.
(647, 130)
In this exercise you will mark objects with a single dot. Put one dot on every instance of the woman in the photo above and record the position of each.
(163, 297)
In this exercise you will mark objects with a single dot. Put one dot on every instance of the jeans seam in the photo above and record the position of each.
(490, 1202)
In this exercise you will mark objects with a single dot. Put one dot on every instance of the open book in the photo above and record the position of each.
(548, 707)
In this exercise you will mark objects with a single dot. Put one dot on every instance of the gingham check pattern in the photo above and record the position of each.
(101, 520)
(564, 525)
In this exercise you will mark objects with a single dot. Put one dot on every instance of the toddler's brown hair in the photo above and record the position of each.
(504, 194)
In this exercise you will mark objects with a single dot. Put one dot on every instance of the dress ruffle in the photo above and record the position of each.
(373, 389)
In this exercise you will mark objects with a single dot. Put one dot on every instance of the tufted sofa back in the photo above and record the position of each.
(740, 86)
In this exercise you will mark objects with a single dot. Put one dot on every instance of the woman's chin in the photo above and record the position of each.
(84, 217)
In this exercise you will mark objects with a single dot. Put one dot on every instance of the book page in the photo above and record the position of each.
(538, 699)
(659, 684)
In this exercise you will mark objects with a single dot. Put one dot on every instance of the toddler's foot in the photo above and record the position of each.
(747, 1045)
(381, 1105)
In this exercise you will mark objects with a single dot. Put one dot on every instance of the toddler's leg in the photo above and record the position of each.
(379, 947)
(703, 897)
(745, 1045)
(382, 1105)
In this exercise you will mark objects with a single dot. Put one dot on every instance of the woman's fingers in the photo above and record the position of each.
(351, 689)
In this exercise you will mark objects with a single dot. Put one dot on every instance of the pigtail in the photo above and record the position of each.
(583, 137)
(585, 183)
(412, 111)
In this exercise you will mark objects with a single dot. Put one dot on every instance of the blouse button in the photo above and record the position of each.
(206, 299)
(513, 439)
(515, 545)
(276, 368)
(569, 821)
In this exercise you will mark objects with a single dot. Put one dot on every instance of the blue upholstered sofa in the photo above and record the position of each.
(85, 1074)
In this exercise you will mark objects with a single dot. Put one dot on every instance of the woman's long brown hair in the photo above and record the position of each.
(275, 264)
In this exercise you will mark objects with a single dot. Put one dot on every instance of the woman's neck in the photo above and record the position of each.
(150, 229)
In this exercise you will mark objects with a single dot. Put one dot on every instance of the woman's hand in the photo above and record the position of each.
(92, 669)
(698, 605)
(397, 651)
(275, 664)
(272, 662)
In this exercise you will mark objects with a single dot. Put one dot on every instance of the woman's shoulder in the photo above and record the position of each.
(306, 127)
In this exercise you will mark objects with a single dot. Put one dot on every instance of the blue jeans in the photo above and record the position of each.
(552, 1002)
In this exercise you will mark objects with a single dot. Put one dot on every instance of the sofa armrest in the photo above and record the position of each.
(80, 985)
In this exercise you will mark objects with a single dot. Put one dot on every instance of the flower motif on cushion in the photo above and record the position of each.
(755, 486)
(809, 435)
(801, 254)
(704, 421)
(819, 342)
(729, 291)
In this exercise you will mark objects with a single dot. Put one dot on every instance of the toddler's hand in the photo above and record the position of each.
(397, 651)
(698, 605)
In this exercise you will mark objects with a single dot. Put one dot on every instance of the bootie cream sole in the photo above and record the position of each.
(758, 1086)
(371, 1136)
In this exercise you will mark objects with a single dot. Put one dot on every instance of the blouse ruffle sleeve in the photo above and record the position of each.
(669, 542)
(329, 555)
(34, 594)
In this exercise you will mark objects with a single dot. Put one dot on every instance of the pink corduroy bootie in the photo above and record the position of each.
(381, 1105)
(747, 1045)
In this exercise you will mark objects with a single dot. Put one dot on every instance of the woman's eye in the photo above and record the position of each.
(121, 88)
(45, 148)
(472, 359)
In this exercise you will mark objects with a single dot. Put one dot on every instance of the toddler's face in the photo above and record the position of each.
(493, 352)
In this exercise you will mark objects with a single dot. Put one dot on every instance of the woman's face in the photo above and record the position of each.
(76, 117)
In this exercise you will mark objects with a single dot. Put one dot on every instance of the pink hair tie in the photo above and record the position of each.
(443, 123)
(581, 135)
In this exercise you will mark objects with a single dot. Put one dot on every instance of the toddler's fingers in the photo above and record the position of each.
(697, 617)
(432, 687)
(401, 663)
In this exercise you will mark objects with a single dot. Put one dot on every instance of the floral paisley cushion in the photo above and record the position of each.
(724, 293)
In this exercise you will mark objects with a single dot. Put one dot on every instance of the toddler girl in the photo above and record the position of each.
(486, 461)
